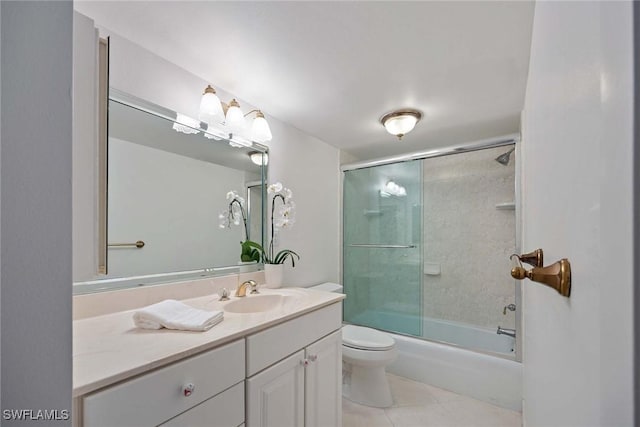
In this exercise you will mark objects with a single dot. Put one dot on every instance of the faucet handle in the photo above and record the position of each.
(224, 295)
(510, 307)
(254, 287)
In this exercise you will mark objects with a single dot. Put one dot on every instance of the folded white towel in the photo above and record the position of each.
(172, 314)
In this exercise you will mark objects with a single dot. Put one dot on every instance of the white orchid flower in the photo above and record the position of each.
(287, 193)
(284, 222)
(223, 221)
(287, 211)
(274, 188)
(235, 213)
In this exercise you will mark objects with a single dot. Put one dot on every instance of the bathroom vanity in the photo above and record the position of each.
(277, 365)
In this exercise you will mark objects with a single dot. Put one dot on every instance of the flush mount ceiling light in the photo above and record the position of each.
(393, 189)
(400, 122)
(257, 158)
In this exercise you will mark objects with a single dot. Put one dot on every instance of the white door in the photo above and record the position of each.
(275, 396)
(577, 164)
(323, 382)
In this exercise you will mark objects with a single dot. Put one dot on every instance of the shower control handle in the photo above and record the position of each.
(510, 307)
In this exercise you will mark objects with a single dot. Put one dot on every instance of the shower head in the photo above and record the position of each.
(503, 159)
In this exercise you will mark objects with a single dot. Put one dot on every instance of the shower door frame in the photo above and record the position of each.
(511, 139)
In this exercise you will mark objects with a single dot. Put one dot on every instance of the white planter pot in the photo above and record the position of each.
(247, 267)
(273, 275)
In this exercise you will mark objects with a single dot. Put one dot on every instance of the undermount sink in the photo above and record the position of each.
(254, 304)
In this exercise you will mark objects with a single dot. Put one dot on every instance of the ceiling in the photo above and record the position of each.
(332, 69)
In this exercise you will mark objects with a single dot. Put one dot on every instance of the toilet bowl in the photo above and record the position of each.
(365, 354)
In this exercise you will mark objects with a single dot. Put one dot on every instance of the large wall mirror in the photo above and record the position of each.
(167, 189)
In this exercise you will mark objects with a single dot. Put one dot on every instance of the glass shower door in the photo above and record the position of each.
(382, 250)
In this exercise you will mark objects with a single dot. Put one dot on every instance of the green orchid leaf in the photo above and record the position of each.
(282, 256)
(252, 251)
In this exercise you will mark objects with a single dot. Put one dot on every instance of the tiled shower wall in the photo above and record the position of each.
(468, 239)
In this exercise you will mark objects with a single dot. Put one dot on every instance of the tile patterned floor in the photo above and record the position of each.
(422, 405)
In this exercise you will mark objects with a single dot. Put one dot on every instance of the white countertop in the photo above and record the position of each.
(109, 348)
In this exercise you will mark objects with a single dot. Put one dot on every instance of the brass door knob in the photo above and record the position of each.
(556, 276)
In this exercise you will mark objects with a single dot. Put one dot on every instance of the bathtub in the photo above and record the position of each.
(489, 372)
(493, 379)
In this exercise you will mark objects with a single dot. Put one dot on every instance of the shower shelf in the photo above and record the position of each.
(509, 206)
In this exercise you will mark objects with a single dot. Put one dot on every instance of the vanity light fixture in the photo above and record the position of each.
(227, 121)
(210, 107)
(234, 119)
(260, 131)
(237, 141)
(257, 158)
(186, 124)
(401, 122)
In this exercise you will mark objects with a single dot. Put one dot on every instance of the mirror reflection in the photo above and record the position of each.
(168, 186)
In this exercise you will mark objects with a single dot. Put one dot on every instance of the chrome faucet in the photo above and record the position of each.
(242, 289)
(506, 331)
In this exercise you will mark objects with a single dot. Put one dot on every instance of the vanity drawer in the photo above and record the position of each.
(158, 396)
(224, 410)
(267, 347)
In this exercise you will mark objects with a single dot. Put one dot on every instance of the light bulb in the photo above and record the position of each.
(234, 119)
(400, 125)
(210, 107)
(260, 131)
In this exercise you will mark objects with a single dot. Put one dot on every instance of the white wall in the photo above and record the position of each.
(168, 201)
(85, 230)
(303, 163)
(311, 169)
(577, 203)
(0, 205)
(35, 262)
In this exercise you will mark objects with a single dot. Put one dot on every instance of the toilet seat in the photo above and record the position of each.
(362, 338)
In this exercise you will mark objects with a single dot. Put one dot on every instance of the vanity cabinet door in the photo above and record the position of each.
(275, 396)
(267, 347)
(323, 382)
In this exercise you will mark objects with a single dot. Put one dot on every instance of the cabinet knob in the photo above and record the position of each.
(306, 361)
(187, 389)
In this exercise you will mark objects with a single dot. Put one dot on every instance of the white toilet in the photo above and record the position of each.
(365, 354)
